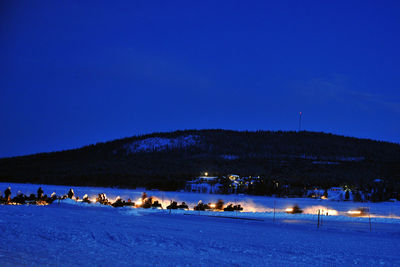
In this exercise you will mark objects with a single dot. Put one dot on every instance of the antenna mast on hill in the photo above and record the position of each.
(300, 121)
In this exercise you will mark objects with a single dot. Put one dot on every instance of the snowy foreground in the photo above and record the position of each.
(72, 233)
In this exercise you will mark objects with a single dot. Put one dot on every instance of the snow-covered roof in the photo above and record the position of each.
(335, 188)
(207, 177)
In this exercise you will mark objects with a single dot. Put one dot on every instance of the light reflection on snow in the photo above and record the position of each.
(322, 209)
(259, 205)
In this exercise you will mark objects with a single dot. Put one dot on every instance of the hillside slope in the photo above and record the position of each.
(168, 159)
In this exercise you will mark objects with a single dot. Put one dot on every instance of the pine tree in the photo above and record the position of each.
(347, 195)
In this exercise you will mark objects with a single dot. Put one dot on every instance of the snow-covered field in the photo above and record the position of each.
(72, 233)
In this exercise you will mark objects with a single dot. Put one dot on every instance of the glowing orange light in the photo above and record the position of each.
(289, 210)
(354, 212)
(332, 212)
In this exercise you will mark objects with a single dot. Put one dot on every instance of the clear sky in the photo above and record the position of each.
(74, 73)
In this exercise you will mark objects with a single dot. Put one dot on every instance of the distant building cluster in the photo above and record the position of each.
(204, 184)
(230, 184)
(376, 190)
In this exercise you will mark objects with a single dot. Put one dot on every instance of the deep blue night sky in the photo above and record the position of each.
(75, 73)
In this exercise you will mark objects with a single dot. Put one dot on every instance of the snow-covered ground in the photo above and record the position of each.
(72, 233)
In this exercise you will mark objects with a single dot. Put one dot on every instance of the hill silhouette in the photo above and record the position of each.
(166, 160)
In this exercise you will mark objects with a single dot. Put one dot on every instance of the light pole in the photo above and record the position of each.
(300, 121)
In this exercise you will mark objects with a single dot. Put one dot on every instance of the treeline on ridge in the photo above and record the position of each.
(297, 158)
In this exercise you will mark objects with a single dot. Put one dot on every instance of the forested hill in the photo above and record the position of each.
(166, 160)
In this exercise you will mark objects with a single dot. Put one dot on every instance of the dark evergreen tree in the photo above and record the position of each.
(347, 195)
